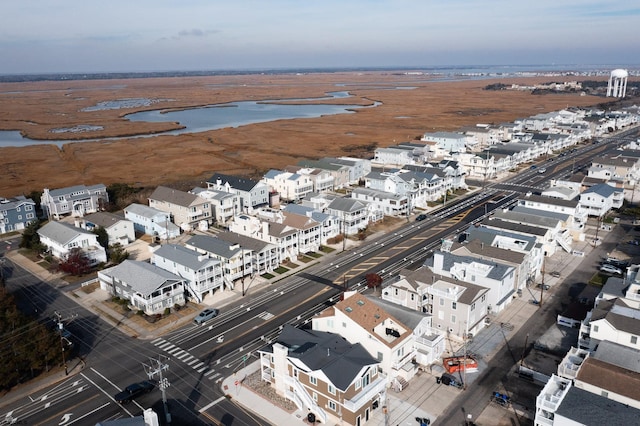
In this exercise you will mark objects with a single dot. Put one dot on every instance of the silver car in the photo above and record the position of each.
(610, 269)
(205, 315)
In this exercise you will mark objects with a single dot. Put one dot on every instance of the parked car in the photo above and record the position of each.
(610, 269)
(133, 391)
(449, 380)
(421, 217)
(501, 399)
(555, 274)
(205, 315)
(545, 286)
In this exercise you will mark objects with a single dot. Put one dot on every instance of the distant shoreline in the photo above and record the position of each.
(459, 70)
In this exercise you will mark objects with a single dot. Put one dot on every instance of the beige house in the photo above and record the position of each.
(188, 211)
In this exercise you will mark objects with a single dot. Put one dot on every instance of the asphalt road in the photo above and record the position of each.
(198, 356)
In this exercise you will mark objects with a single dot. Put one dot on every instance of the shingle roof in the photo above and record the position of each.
(610, 377)
(144, 211)
(369, 315)
(184, 256)
(590, 409)
(214, 245)
(103, 219)
(330, 353)
(61, 232)
(244, 241)
(602, 189)
(236, 182)
(517, 227)
(346, 205)
(482, 251)
(142, 277)
(174, 196)
(618, 355)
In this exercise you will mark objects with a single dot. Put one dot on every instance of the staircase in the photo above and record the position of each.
(563, 243)
(399, 384)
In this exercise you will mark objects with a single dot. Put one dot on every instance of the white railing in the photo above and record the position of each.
(378, 386)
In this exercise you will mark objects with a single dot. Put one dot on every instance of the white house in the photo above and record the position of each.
(498, 278)
(599, 199)
(252, 193)
(359, 319)
(224, 204)
(150, 221)
(202, 275)
(291, 186)
(60, 238)
(119, 229)
(147, 287)
(73, 200)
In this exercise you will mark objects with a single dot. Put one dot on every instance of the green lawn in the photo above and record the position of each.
(280, 270)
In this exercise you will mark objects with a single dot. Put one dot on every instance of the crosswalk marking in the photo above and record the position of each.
(266, 315)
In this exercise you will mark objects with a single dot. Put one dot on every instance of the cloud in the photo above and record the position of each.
(196, 32)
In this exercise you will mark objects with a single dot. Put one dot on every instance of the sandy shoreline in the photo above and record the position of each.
(38, 107)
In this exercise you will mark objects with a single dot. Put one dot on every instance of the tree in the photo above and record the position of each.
(373, 281)
(76, 263)
(117, 253)
(103, 237)
(30, 238)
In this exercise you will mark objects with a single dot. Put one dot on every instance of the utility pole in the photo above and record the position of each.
(542, 284)
(156, 367)
(59, 320)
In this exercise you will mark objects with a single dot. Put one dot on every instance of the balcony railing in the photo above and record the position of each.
(378, 386)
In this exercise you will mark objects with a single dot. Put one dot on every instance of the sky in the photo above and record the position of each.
(76, 36)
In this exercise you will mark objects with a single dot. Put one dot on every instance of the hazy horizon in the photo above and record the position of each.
(44, 36)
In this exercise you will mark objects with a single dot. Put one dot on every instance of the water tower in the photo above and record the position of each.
(618, 83)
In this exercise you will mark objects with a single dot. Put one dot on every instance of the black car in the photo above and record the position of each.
(133, 391)
(449, 380)
(421, 217)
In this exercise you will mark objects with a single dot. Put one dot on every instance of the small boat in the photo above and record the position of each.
(459, 363)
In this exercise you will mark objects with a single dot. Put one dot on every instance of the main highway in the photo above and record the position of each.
(194, 359)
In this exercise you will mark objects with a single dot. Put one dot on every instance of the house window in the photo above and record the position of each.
(453, 305)
(315, 397)
(396, 291)
(344, 325)
(412, 297)
(453, 319)
(634, 340)
(331, 389)
(441, 301)
(380, 356)
(473, 306)
(313, 380)
(357, 384)
(331, 405)
(595, 328)
(484, 296)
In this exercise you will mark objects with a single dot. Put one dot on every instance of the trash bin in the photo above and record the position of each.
(311, 418)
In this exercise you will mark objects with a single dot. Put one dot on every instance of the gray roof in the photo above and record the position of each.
(408, 317)
(61, 232)
(319, 217)
(144, 211)
(214, 245)
(174, 196)
(497, 272)
(211, 193)
(184, 256)
(590, 409)
(104, 219)
(330, 353)
(602, 189)
(619, 315)
(488, 236)
(529, 219)
(346, 205)
(236, 182)
(77, 188)
(542, 199)
(378, 194)
(142, 277)
(618, 355)
(12, 203)
(516, 227)
(539, 212)
(245, 242)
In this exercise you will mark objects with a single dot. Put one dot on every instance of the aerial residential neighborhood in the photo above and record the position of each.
(348, 359)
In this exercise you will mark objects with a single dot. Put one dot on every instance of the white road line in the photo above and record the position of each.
(206, 407)
(102, 390)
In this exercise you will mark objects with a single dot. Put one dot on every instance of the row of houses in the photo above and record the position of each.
(486, 151)
(602, 370)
